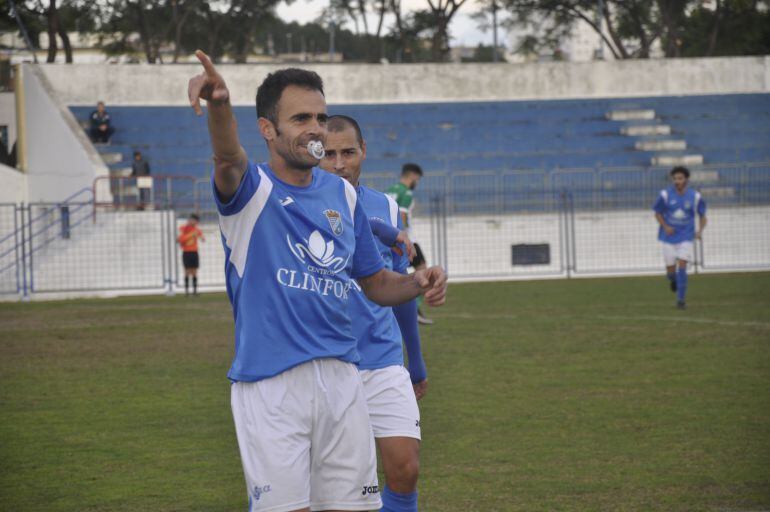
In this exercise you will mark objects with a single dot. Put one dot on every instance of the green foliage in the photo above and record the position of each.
(631, 28)
(576, 395)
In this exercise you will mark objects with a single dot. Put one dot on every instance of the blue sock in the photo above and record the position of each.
(681, 283)
(397, 502)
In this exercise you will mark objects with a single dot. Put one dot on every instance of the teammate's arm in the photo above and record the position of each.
(388, 288)
(660, 208)
(668, 229)
(230, 159)
(392, 237)
(406, 316)
(702, 220)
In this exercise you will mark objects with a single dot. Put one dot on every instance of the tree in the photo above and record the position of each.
(627, 27)
(437, 18)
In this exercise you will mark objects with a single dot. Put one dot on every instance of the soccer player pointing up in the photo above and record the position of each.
(294, 238)
(675, 210)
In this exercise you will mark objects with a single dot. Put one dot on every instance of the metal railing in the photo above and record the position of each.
(484, 225)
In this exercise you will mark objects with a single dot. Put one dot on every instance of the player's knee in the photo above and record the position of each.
(404, 474)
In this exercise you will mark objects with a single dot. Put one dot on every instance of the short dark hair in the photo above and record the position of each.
(273, 85)
(137, 153)
(410, 167)
(339, 122)
(195, 217)
(681, 170)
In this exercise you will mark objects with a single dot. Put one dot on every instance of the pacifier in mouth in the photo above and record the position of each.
(316, 148)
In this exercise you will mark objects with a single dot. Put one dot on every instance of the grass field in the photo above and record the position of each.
(552, 395)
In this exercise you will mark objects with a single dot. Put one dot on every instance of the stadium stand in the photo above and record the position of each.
(480, 136)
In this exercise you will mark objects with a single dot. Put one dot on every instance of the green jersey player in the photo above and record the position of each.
(403, 193)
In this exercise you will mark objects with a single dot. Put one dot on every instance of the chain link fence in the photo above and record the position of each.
(478, 225)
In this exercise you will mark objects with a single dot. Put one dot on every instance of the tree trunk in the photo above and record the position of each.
(53, 27)
(618, 43)
(65, 39)
(144, 35)
(715, 30)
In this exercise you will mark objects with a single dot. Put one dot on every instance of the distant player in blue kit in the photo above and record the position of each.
(295, 237)
(675, 210)
(391, 391)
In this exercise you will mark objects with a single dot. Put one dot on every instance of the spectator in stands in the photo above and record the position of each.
(189, 234)
(141, 167)
(100, 130)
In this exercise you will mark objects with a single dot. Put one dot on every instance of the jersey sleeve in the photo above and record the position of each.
(366, 258)
(246, 189)
(701, 208)
(384, 232)
(400, 261)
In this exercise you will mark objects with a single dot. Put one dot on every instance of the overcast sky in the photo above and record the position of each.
(463, 29)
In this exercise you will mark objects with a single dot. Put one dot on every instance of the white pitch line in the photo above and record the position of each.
(711, 321)
(685, 319)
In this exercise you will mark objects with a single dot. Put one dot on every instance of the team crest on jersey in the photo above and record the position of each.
(335, 221)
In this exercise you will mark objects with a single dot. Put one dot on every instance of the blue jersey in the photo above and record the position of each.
(290, 256)
(375, 327)
(679, 212)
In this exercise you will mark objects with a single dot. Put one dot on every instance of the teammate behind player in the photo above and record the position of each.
(403, 193)
(675, 210)
(189, 234)
(391, 391)
(294, 237)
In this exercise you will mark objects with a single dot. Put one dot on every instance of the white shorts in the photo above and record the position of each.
(305, 439)
(681, 251)
(393, 409)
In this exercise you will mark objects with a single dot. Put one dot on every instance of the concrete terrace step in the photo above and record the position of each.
(660, 145)
(674, 160)
(704, 177)
(630, 115)
(111, 157)
(642, 130)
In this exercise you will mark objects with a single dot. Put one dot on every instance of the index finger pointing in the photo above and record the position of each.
(206, 62)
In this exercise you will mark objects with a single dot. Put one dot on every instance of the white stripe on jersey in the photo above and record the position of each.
(237, 228)
(352, 197)
(393, 211)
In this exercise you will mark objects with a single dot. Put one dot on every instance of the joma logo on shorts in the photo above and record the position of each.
(370, 489)
(259, 491)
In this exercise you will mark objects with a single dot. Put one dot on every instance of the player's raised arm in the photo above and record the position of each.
(230, 160)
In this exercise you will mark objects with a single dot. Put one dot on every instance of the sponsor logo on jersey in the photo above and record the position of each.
(317, 250)
(258, 491)
(335, 221)
(287, 201)
(322, 265)
(679, 214)
(370, 489)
